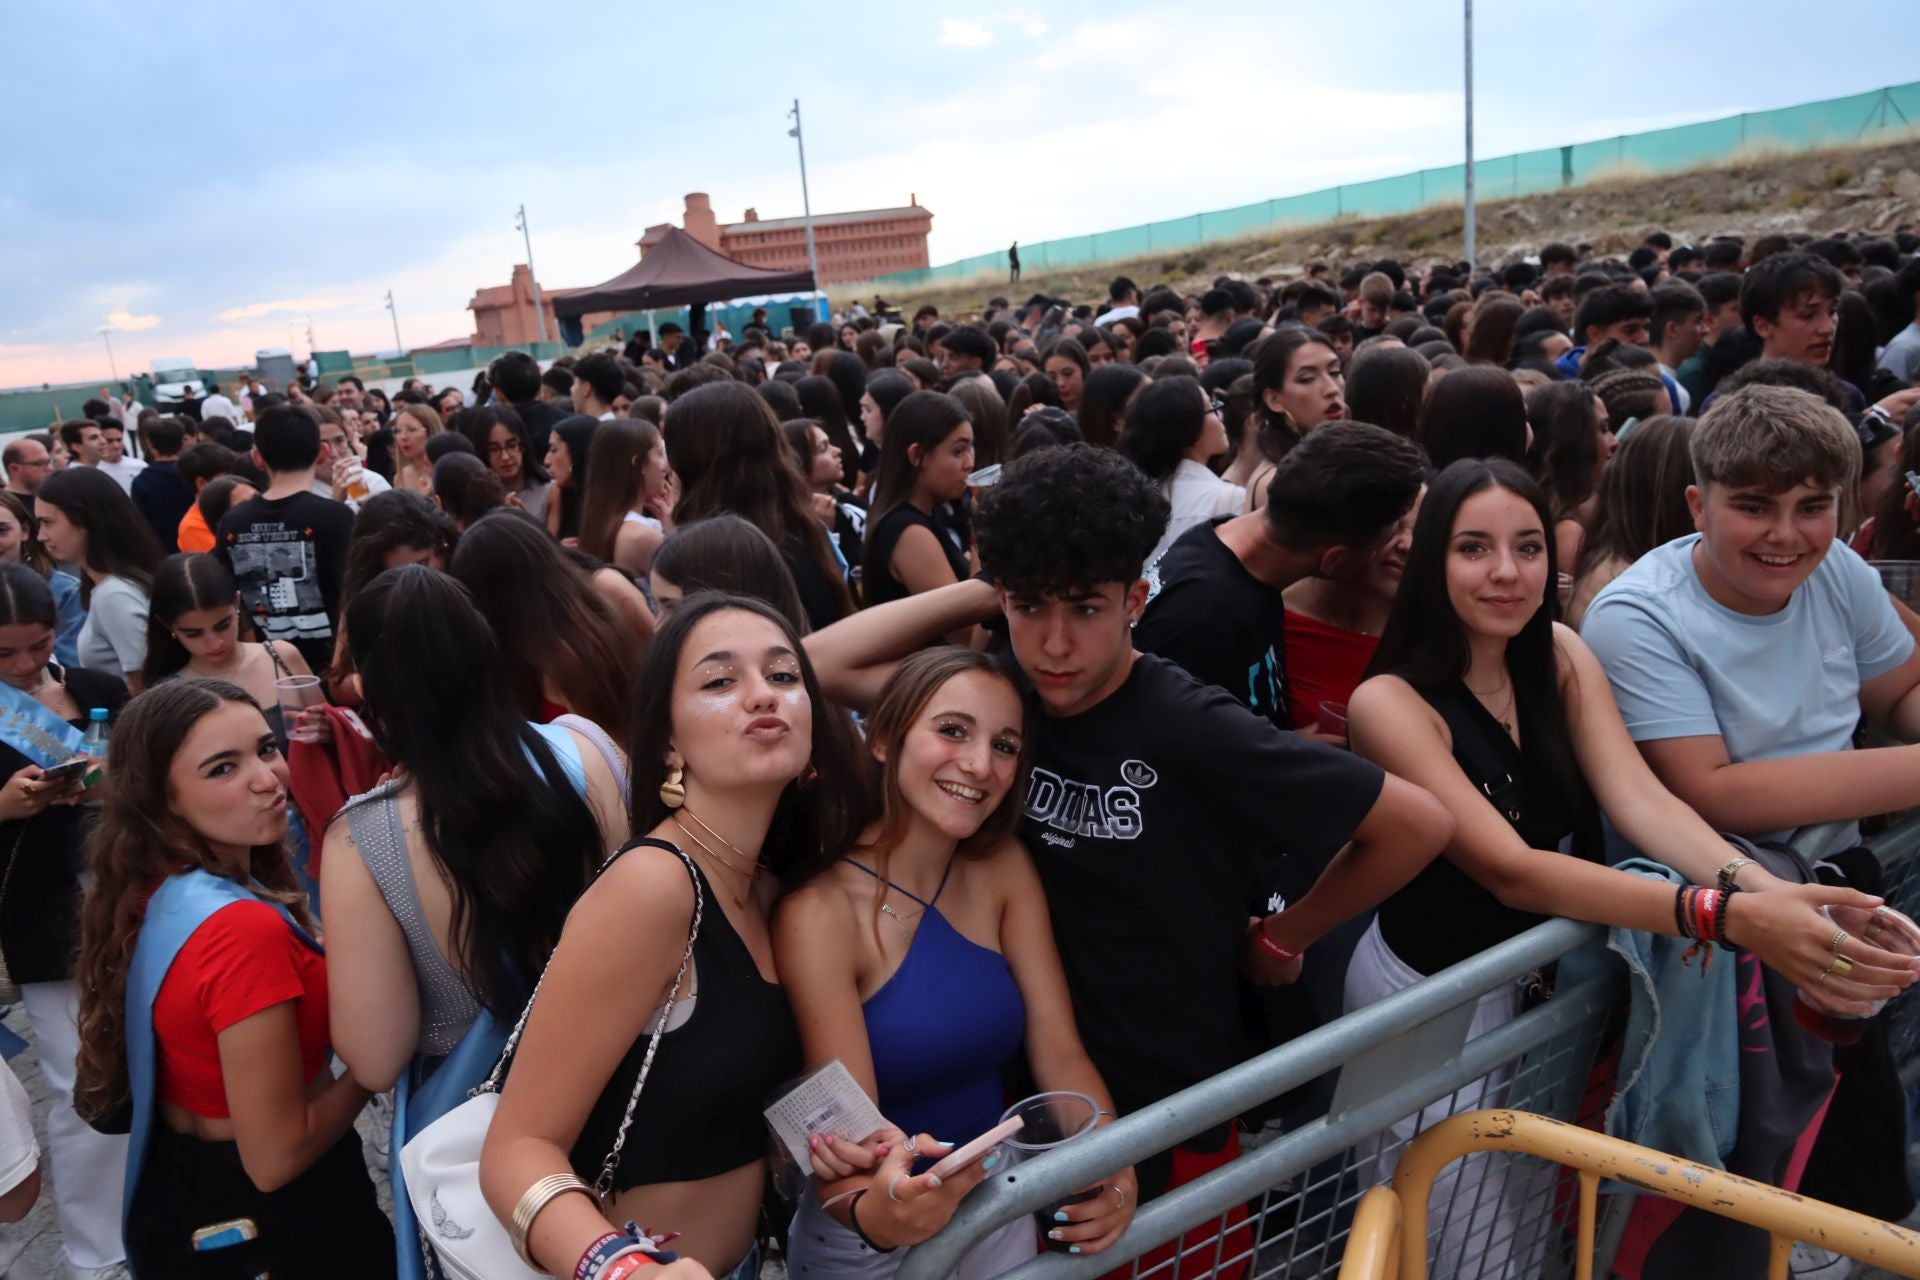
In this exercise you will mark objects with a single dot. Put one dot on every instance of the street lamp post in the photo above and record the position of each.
(539, 312)
(806, 204)
(107, 334)
(399, 348)
(1469, 227)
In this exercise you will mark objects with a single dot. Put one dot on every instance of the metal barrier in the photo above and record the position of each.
(1374, 1251)
(1393, 1059)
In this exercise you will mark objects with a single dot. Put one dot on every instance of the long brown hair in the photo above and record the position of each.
(137, 843)
(615, 471)
(902, 700)
(32, 554)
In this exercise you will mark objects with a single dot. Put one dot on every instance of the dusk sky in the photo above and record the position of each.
(201, 176)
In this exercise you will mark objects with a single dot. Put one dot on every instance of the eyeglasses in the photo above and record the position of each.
(1217, 405)
(503, 448)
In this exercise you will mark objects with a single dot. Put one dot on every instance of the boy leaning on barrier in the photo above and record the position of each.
(1153, 796)
(1742, 656)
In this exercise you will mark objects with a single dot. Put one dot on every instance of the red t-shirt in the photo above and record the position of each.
(242, 960)
(1324, 664)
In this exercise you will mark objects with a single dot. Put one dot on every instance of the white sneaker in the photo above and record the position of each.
(1811, 1262)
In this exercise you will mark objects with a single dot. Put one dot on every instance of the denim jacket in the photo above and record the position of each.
(1679, 1078)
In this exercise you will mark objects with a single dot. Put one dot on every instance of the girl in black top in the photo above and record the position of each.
(727, 455)
(42, 828)
(924, 463)
(738, 766)
(1506, 717)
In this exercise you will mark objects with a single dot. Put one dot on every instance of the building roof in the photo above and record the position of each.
(826, 219)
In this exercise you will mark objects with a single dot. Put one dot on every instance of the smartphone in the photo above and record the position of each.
(1913, 483)
(961, 1157)
(62, 775)
(225, 1235)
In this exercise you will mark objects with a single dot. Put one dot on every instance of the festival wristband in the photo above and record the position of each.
(596, 1254)
(1272, 948)
(625, 1265)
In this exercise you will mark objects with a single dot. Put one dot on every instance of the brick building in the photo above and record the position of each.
(850, 246)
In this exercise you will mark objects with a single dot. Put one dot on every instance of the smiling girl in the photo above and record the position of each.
(924, 463)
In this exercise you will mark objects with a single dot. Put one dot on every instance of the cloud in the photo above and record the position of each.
(299, 306)
(124, 321)
(966, 35)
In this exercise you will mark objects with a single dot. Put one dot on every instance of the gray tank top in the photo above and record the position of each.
(447, 1004)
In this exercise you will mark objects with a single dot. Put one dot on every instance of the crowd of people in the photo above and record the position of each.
(1068, 698)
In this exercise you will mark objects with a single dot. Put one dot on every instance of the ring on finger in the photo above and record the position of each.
(1841, 966)
(913, 1145)
(1824, 975)
(893, 1189)
(1120, 1193)
(1839, 936)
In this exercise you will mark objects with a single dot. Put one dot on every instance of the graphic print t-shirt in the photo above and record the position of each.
(1224, 626)
(287, 555)
(1148, 816)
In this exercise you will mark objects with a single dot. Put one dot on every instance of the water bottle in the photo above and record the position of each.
(94, 744)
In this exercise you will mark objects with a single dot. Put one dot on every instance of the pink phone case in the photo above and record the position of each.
(960, 1158)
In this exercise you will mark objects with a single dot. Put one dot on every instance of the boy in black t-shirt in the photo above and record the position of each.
(1214, 602)
(288, 546)
(1153, 797)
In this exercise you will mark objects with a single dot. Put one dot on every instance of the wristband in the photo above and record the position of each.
(1272, 948)
(625, 1265)
(596, 1254)
(1680, 911)
(853, 1220)
(1706, 905)
(1720, 918)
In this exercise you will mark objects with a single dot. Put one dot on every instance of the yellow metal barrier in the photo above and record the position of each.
(1386, 1217)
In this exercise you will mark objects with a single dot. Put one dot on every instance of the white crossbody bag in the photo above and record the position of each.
(442, 1161)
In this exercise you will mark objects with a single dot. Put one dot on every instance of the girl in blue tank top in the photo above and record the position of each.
(921, 959)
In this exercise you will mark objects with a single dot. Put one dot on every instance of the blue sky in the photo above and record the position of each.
(200, 175)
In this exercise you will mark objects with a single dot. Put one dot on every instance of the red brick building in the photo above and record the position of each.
(850, 246)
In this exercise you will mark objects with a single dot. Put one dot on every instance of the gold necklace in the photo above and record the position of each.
(751, 873)
(1503, 717)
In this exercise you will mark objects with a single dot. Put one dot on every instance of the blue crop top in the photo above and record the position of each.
(941, 1028)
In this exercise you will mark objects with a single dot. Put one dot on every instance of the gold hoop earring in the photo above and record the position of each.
(672, 794)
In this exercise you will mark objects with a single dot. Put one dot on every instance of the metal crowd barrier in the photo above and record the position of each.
(1391, 1060)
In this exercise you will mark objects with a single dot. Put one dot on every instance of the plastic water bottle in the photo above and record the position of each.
(94, 744)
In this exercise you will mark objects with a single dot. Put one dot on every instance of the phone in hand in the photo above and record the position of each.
(958, 1159)
(1913, 483)
(225, 1235)
(62, 776)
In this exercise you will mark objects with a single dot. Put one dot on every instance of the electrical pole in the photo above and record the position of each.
(107, 333)
(539, 312)
(806, 204)
(1469, 227)
(399, 347)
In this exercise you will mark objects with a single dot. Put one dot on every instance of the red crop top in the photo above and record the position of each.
(242, 960)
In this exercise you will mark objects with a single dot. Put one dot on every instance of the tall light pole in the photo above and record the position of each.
(399, 348)
(539, 312)
(806, 203)
(107, 333)
(1469, 227)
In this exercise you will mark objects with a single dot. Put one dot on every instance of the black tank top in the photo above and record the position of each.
(879, 584)
(1444, 916)
(699, 1115)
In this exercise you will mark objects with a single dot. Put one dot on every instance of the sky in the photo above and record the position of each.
(204, 178)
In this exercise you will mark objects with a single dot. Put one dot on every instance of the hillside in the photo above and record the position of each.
(1868, 189)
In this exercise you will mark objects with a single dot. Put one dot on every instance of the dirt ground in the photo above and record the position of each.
(1869, 189)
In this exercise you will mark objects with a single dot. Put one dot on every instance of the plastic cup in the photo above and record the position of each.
(1050, 1120)
(1884, 928)
(1333, 718)
(296, 694)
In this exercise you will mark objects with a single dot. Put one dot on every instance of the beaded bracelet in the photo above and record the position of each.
(1720, 917)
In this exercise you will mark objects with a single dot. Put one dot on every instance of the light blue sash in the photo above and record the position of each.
(179, 906)
(35, 732)
(422, 1096)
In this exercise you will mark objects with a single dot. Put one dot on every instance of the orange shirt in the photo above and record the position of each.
(194, 534)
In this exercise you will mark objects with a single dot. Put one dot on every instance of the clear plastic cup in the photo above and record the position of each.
(1333, 718)
(1051, 1119)
(296, 694)
(1881, 927)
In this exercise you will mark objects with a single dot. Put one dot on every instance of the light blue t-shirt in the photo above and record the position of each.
(1682, 665)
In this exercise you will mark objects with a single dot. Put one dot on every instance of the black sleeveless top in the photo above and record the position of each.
(878, 583)
(1444, 916)
(699, 1115)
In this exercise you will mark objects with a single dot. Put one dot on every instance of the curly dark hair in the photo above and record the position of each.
(1067, 518)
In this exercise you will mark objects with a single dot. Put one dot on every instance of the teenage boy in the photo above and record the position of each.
(1720, 291)
(1791, 302)
(158, 491)
(596, 385)
(1154, 799)
(114, 459)
(1743, 655)
(1674, 334)
(1214, 604)
(288, 546)
(1611, 311)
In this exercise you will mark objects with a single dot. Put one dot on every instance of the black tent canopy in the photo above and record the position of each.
(679, 272)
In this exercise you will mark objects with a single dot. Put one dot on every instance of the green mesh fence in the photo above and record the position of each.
(1812, 124)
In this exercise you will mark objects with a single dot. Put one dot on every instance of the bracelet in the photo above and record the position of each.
(1706, 910)
(596, 1255)
(853, 1220)
(1730, 871)
(536, 1198)
(1680, 911)
(625, 1265)
(1272, 948)
(1720, 917)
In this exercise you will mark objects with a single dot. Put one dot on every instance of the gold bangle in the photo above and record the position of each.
(536, 1198)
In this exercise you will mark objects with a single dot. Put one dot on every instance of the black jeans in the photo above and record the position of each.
(326, 1222)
